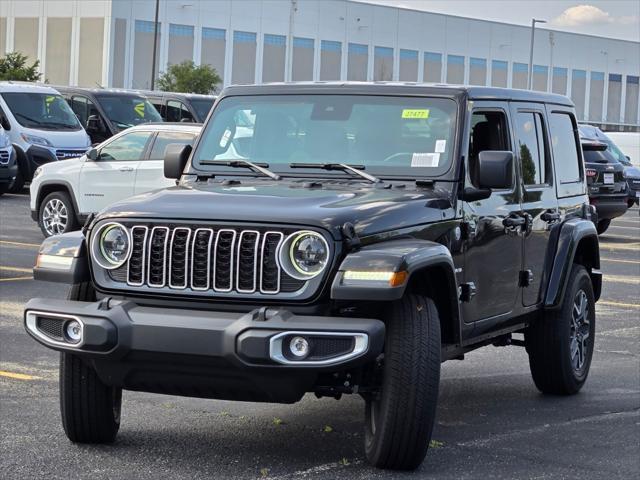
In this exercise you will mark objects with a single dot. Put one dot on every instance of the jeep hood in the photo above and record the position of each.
(371, 209)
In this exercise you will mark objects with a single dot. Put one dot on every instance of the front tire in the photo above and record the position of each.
(56, 214)
(399, 419)
(90, 409)
(560, 344)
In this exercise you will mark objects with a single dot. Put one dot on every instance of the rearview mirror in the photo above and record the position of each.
(176, 156)
(92, 154)
(495, 169)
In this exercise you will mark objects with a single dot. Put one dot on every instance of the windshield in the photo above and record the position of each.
(394, 136)
(126, 111)
(43, 111)
(202, 107)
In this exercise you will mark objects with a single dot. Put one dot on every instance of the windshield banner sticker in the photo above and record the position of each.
(441, 146)
(139, 109)
(425, 159)
(415, 113)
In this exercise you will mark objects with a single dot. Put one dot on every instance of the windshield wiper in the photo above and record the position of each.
(353, 169)
(256, 167)
(28, 119)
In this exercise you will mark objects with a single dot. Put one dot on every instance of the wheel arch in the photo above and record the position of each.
(577, 243)
(52, 186)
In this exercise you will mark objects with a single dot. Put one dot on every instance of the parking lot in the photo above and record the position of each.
(492, 422)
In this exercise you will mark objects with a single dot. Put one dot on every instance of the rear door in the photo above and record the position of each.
(150, 172)
(112, 176)
(539, 202)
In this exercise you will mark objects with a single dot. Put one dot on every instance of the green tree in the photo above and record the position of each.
(14, 66)
(186, 77)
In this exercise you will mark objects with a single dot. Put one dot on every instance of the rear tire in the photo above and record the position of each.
(602, 225)
(560, 344)
(399, 419)
(90, 409)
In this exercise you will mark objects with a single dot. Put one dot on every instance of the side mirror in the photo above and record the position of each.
(94, 125)
(176, 156)
(626, 156)
(495, 169)
(92, 154)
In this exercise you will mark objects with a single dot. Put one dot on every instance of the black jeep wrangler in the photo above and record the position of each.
(347, 240)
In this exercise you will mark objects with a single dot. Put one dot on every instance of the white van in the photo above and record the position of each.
(629, 143)
(41, 126)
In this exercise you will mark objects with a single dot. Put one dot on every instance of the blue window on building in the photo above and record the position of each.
(499, 73)
(432, 67)
(213, 33)
(455, 69)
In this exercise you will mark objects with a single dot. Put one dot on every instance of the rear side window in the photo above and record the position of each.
(532, 148)
(166, 138)
(565, 148)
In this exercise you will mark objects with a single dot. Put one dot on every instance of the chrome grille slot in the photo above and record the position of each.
(201, 259)
(157, 258)
(135, 271)
(179, 257)
(223, 261)
(269, 267)
(247, 261)
(4, 157)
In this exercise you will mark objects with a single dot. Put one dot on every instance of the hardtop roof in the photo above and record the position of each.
(398, 88)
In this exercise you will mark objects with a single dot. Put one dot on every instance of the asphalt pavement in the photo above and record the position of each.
(491, 423)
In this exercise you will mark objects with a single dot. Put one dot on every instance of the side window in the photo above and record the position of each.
(532, 148)
(565, 148)
(488, 132)
(159, 106)
(166, 138)
(125, 148)
(79, 107)
(177, 112)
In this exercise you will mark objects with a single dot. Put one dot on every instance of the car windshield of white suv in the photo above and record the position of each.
(43, 111)
(384, 135)
(126, 111)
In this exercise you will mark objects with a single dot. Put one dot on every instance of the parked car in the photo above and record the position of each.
(606, 183)
(631, 172)
(131, 162)
(8, 166)
(41, 127)
(370, 232)
(107, 111)
(180, 107)
(629, 143)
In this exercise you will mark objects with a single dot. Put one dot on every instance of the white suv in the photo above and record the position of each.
(64, 193)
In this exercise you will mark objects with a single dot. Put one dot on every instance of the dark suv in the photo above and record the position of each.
(368, 233)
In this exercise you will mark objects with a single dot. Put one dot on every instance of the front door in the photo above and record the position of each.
(539, 202)
(112, 175)
(493, 247)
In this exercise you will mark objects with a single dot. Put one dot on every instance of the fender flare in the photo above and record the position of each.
(66, 186)
(63, 259)
(413, 256)
(577, 237)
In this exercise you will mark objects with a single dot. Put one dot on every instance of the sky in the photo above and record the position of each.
(605, 18)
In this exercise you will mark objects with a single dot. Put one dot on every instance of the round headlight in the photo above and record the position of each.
(112, 245)
(304, 255)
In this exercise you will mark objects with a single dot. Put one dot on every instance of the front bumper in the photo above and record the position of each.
(209, 354)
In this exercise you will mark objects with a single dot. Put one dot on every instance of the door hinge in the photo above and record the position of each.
(526, 278)
(467, 291)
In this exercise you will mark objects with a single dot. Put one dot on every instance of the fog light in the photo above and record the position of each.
(73, 331)
(299, 347)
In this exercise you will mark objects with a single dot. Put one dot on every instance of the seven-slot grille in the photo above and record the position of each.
(206, 259)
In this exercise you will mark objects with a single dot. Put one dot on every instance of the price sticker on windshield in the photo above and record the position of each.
(413, 113)
(425, 160)
(139, 109)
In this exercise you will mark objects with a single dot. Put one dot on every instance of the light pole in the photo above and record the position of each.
(155, 47)
(533, 33)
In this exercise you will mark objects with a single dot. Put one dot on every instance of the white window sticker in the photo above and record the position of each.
(441, 146)
(425, 159)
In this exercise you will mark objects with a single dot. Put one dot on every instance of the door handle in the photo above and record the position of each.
(550, 216)
(514, 221)
(126, 169)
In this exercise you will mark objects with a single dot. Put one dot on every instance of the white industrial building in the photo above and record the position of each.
(110, 43)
